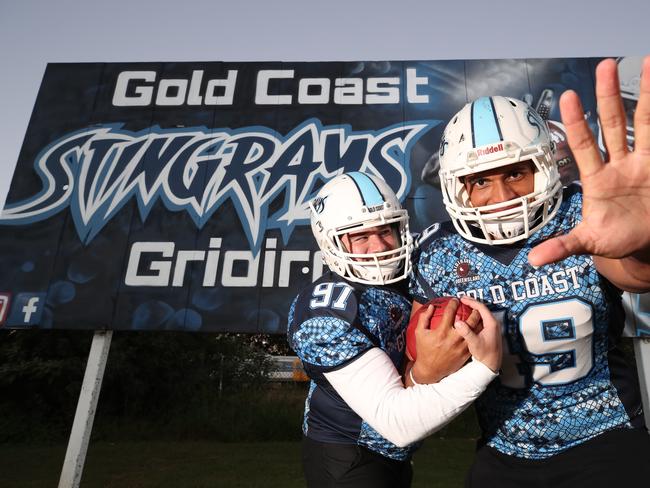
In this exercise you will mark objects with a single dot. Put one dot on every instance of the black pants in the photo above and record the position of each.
(347, 465)
(616, 459)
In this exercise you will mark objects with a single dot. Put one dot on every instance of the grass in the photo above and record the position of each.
(440, 462)
(240, 439)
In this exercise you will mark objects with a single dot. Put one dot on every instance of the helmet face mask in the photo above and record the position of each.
(377, 267)
(489, 134)
(629, 105)
(354, 203)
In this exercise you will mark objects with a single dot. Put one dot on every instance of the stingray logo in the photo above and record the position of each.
(536, 121)
(443, 145)
(95, 172)
(318, 204)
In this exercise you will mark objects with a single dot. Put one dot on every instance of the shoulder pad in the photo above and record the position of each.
(435, 231)
(426, 233)
(327, 297)
(571, 189)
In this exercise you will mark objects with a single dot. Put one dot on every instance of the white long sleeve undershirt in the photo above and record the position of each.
(373, 388)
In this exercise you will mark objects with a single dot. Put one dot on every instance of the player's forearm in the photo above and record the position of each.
(433, 373)
(372, 387)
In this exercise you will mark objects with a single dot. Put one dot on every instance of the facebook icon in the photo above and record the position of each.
(26, 309)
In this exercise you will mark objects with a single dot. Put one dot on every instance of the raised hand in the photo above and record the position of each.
(616, 210)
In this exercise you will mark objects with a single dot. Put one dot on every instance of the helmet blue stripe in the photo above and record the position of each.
(369, 192)
(485, 125)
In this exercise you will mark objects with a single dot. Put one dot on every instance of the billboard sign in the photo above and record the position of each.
(173, 196)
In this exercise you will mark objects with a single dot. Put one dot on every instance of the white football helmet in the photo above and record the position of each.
(629, 79)
(490, 133)
(353, 202)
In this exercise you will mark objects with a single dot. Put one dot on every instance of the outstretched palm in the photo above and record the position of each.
(616, 210)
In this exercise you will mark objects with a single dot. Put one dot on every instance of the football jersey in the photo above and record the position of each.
(562, 381)
(331, 323)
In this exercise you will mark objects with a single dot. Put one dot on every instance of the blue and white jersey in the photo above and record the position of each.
(331, 323)
(563, 381)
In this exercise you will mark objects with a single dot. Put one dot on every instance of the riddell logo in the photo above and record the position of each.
(489, 150)
(5, 299)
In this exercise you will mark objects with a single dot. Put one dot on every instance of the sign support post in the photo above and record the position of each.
(642, 356)
(82, 426)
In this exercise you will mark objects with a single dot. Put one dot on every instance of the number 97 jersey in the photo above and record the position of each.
(562, 381)
(331, 323)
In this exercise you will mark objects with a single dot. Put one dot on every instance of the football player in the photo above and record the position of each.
(348, 328)
(551, 263)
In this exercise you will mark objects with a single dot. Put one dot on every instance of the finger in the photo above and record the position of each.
(642, 113)
(465, 332)
(557, 248)
(580, 138)
(486, 316)
(610, 109)
(449, 314)
(425, 318)
(415, 306)
(474, 320)
(474, 304)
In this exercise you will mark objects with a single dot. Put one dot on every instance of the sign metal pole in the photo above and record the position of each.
(642, 355)
(82, 426)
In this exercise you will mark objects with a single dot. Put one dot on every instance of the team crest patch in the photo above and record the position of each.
(395, 314)
(462, 269)
(465, 273)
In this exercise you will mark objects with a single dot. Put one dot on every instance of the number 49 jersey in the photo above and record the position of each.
(562, 381)
(331, 323)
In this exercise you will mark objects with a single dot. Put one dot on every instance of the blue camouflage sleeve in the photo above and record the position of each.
(328, 342)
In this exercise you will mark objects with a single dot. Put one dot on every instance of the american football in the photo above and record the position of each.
(439, 305)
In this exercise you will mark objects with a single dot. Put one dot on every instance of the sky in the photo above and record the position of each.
(36, 32)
